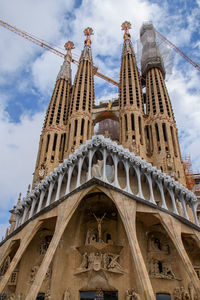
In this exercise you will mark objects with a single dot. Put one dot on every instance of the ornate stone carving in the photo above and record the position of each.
(34, 270)
(98, 261)
(13, 296)
(99, 225)
(159, 269)
(67, 295)
(192, 293)
(132, 295)
(5, 266)
(197, 270)
(47, 295)
(157, 243)
(44, 244)
(181, 294)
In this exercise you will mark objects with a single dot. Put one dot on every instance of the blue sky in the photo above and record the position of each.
(28, 73)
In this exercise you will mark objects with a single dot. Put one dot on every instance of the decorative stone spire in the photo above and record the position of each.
(127, 47)
(130, 97)
(65, 70)
(52, 148)
(82, 99)
(19, 198)
(86, 53)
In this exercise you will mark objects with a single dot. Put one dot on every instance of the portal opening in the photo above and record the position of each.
(97, 295)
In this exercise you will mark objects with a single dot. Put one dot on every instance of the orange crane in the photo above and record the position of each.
(178, 50)
(45, 45)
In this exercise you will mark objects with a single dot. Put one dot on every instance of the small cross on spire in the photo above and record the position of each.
(88, 32)
(69, 46)
(126, 26)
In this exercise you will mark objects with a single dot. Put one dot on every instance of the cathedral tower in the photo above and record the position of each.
(162, 146)
(53, 138)
(82, 99)
(130, 98)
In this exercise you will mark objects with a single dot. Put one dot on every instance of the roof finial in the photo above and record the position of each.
(19, 199)
(69, 46)
(126, 26)
(88, 32)
(28, 190)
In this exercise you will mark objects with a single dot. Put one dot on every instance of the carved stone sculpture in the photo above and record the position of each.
(99, 222)
(44, 245)
(132, 295)
(98, 261)
(67, 295)
(5, 266)
(13, 296)
(181, 294)
(47, 295)
(161, 269)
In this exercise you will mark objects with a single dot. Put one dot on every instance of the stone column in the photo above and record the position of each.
(127, 210)
(27, 238)
(173, 228)
(65, 213)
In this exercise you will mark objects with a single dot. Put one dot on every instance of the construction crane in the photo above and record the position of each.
(45, 45)
(178, 50)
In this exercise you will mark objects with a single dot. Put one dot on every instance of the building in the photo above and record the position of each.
(108, 216)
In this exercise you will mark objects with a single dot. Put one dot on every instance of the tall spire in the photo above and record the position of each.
(130, 97)
(87, 53)
(82, 100)
(161, 137)
(127, 47)
(52, 147)
(65, 70)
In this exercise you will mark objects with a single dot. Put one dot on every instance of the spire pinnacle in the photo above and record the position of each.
(88, 32)
(65, 70)
(126, 26)
(69, 46)
(127, 48)
(19, 199)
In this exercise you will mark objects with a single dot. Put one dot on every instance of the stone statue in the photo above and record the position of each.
(167, 270)
(90, 237)
(192, 293)
(67, 295)
(84, 263)
(132, 295)
(99, 221)
(181, 294)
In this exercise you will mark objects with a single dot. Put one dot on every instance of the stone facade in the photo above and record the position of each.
(106, 219)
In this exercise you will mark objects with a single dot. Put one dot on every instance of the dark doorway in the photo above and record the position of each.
(163, 297)
(40, 296)
(96, 295)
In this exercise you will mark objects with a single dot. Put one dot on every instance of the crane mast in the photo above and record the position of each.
(45, 45)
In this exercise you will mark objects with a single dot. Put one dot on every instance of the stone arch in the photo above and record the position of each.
(97, 163)
(110, 168)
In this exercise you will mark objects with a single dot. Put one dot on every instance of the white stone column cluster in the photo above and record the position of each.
(42, 195)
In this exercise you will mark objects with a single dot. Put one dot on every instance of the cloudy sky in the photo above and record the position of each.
(28, 73)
